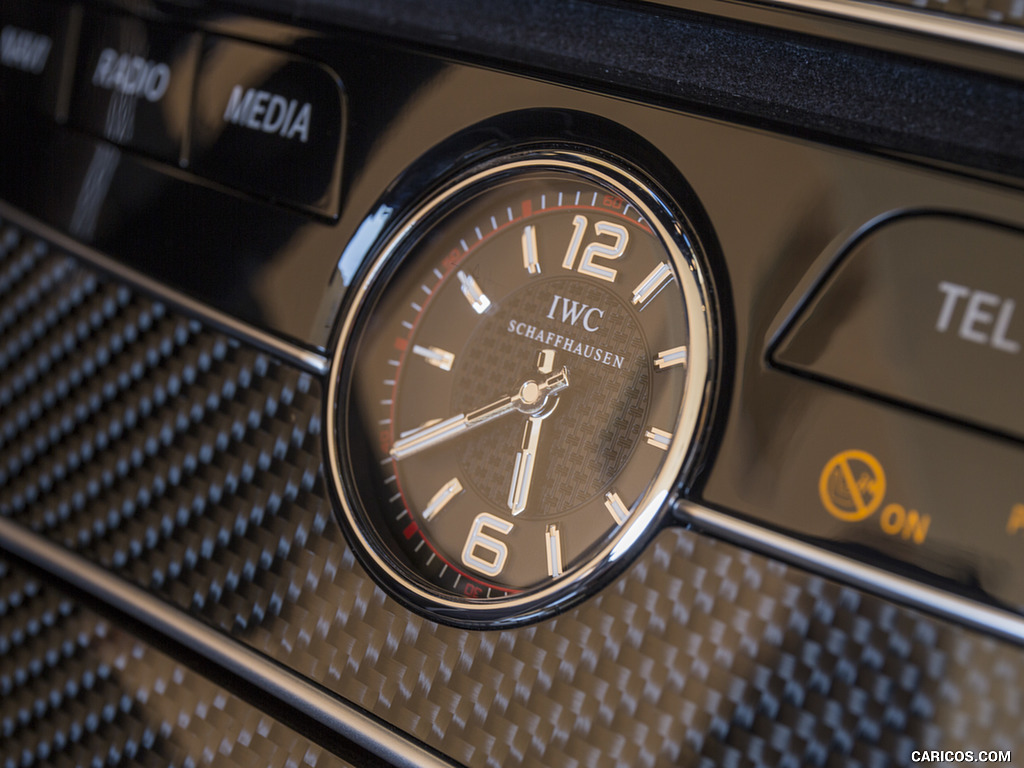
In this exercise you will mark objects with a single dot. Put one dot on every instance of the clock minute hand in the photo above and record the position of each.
(531, 398)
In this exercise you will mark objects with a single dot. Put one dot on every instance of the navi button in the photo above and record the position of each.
(269, 123)
(33, 40)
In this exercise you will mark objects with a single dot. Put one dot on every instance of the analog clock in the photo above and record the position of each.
(518, 386)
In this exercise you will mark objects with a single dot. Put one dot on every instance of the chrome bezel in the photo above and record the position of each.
(675, 233)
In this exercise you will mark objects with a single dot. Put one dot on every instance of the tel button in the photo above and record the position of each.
(269, 123)
(926, 310)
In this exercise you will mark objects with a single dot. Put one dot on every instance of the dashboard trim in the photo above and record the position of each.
(254, 668)
(306, 360)
(848, 571)
(964, 30)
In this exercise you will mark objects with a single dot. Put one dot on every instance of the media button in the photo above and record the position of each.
(269, 123)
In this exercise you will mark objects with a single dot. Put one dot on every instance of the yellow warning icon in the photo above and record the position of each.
(852, 485)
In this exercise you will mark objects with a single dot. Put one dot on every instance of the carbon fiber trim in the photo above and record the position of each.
(190, 464)
(76, 690)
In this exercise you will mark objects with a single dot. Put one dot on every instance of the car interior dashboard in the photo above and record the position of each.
(581, 383)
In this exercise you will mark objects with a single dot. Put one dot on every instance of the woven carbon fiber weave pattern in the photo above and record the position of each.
(198, 477)
(75, 690)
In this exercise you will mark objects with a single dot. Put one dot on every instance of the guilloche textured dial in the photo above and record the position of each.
(518, 386)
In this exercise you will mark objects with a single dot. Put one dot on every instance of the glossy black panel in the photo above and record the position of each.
(191, 463)
(269, 123)
(897, 489)
(132, 83)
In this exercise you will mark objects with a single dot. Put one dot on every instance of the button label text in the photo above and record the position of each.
(131, 75)
(24, 50)
(984, 318)
(269, 113)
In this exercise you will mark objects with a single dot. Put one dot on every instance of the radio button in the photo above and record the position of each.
(269, 123)
(133, 84)
(927, 311)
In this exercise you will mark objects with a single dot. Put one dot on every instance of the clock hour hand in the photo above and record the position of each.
(531, 398)
(519, 492)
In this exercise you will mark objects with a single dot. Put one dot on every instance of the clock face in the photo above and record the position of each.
(517, 387)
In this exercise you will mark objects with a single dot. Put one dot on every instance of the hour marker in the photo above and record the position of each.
(615, 507)
(553, 538)
(546, 361)
(471, 290)
(435, 356)
(670, 357)
(437, 502)
(659, 438)
(438, 274)
(530, 260)
(653, 283)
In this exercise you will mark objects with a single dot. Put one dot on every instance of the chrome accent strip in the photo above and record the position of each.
(292, 353)
(962, 29)
(889, 585)
(256, 669)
